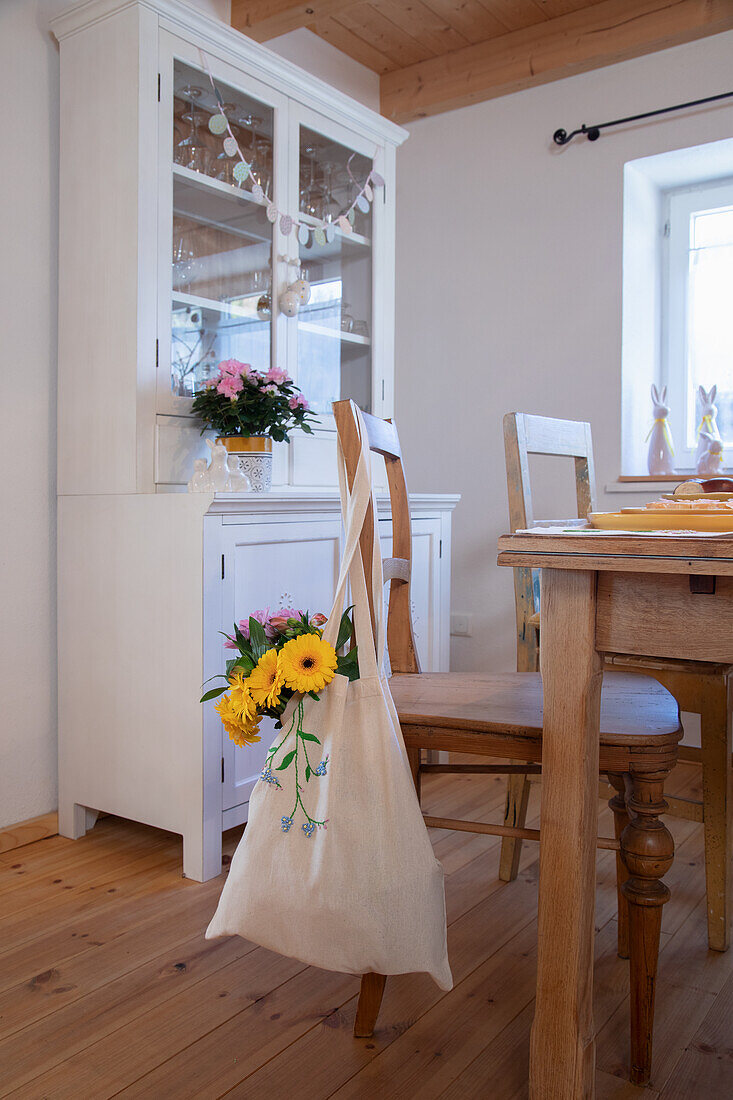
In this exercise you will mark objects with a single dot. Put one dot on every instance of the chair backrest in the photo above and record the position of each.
(525, 435)
(383, 440)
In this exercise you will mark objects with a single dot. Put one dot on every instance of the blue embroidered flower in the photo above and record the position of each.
(321, 769)
(285, 823)
(308, 828)
(267, 777)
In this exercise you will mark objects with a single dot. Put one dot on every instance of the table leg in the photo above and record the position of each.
(562, 1050)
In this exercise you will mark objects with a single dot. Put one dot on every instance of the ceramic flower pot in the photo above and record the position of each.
(253, 456)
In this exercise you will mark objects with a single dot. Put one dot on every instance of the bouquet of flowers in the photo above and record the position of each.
(278, 657)
(239, 400)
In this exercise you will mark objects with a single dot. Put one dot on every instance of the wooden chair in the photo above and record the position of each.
(699, 688)
(501, 716)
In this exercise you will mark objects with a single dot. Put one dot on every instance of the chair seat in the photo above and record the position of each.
(635, 710)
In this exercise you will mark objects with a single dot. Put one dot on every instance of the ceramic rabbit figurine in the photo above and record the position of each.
(710, 462)
(660, 457)
(199, 482)
(218, 472)
(708, 424)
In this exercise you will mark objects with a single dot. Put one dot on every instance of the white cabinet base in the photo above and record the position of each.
(148, 583)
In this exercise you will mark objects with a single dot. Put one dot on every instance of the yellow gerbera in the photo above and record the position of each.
(308, 663)
(242, 731)
(266, 680)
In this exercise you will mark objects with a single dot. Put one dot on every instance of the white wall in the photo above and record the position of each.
(509, 292)
(28, 304)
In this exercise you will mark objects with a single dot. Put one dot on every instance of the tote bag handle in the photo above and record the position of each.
(354, 505)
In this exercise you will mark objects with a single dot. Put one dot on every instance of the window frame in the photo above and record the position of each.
(679, 204)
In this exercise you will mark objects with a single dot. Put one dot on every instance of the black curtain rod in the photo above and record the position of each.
(562, 137)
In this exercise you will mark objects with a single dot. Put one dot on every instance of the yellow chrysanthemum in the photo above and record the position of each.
(266, 680)
(308, 663)
(242, 731)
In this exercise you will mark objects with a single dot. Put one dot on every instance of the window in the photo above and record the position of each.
(697, 311)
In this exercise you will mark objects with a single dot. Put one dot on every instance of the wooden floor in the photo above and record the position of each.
(107, 987)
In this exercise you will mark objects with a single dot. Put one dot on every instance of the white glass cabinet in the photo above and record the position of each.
(168, 264)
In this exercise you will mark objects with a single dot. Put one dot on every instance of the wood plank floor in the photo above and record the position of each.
(108, 988)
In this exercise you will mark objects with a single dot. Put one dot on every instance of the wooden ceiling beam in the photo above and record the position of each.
(265, 19)
(607, 32)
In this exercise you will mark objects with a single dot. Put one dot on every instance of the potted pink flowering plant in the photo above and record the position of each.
(248, 409)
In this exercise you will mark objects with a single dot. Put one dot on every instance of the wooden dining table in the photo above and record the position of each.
(603, 595)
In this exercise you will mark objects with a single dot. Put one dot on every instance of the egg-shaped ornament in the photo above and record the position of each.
(330, 232)
(218, 124)
(257, 193)
(264, 307)
(230, 146)
(303, 234)
(240, 171)
(271, 212)
(289, 302)
(363, 203)
(303, 290)
(286, 224)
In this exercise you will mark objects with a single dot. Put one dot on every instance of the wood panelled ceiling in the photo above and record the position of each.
(434, 55)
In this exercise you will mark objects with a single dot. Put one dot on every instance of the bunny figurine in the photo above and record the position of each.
(237, 481)
(708, 424)
(199, 482)
(218, 472)
(710, 462)
(661, 452)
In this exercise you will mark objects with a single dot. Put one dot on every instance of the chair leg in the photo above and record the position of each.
(515, 814)
(717, 785)
(370, 999)
(647, 848)
(413, 755)
(620, 821)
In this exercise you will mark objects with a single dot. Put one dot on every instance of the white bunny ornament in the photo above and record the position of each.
(710, 462)
(708, 428)
(199, 482)
(660, 457)
(218, 472)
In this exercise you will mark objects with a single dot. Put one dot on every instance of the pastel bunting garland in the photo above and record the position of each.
(325, 231)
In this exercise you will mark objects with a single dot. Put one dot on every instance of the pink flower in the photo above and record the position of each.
(234, 368)
(298, 402)
(270, 389)
(262, 616)
(318, 619)
(274, 374)
(230, 385)
(279, 621)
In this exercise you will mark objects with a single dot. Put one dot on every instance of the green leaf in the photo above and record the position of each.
(307, 772)
(310, 737)
(213, 694)
(286, 761)
(313, 695)
(346, 629)
(258, 638)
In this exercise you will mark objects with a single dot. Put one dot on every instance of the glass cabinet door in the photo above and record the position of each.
(334, 329)
(221, 241)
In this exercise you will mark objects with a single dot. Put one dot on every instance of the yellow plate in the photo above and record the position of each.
(661, 521)
(675, 512)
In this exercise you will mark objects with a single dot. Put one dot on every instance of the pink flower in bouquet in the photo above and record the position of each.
(279, 621)
(298, 402)
(274, 374)
(269, 389)
(318, 619)
(262, 616)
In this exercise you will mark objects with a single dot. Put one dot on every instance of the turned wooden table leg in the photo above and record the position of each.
(562, 1049)
(620, 821)
(716, 720)
(647, 848)
(370, 1000)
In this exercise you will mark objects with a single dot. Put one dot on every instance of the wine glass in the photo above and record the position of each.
(329, 203)
(183, 261)
(312, 195)
(254, 152)
(192, 152)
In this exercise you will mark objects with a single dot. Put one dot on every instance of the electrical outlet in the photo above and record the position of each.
(461, 625)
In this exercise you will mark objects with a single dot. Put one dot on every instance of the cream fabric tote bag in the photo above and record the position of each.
(362, 891)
